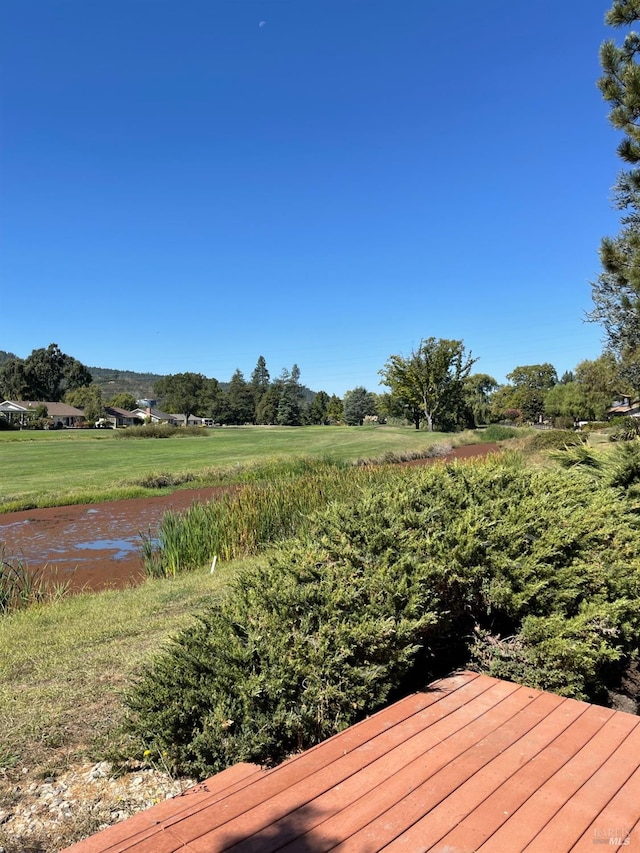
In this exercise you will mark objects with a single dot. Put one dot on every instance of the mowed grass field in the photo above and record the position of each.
(49, 468)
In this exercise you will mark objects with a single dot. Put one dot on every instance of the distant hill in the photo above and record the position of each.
(113, 382)
(140, 385)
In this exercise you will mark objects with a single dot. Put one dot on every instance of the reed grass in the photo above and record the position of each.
(243, 522)
(21, 587)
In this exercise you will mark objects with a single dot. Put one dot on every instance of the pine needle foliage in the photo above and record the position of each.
(530, 575)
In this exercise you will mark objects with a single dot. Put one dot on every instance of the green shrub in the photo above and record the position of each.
(578, 455)
(554, 439)
(594, 426)
(622, 468)
(497, 432)
(164, 479)
(563, 422)
(160, 431)
(438, 568)
(625, 429)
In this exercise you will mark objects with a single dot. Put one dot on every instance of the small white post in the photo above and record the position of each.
(213, 564)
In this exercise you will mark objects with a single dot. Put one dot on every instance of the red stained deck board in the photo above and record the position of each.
(364, 771)
(472, 764)
(509, 794)
(273, 802)
(452, 769)
(571, 821)
(143, 831)
(292, 776)
(562, 726)
(542, 806)
(439, 771)
(359, 775)
(620, 818)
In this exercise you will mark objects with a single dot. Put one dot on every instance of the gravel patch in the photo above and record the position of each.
(46, 815)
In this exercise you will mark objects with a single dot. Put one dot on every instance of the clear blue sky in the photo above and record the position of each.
(188, 184)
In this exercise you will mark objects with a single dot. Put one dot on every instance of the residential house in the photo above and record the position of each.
(58, 414)
(121, 417)
(626, 406)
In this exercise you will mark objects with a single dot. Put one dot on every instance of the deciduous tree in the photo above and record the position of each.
(529, 384)
(430, 380)
(478, 388)
(14, 383)
(124, 401)
(182, 392)
(46, 374)
(89, 399)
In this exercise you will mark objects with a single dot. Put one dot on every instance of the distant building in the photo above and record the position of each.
(58, 414)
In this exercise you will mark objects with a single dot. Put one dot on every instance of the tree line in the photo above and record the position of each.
(432, 387)
(281, 401)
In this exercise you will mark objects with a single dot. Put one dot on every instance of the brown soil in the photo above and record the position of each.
(97, 546)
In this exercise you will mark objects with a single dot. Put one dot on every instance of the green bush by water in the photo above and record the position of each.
(530, 575)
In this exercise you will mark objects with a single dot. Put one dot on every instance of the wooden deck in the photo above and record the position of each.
(471, 764)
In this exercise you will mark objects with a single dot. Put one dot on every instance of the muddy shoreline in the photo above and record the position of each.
(97, 546)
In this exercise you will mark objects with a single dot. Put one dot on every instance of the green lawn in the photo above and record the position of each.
(48, 468)
(63, 665)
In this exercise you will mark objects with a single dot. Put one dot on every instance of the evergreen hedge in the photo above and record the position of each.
(531, 575)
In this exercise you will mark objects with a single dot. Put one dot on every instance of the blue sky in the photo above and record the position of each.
(188, 184)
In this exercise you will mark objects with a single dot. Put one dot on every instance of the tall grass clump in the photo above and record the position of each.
(532, 575)
(244, 521)
(21, 587)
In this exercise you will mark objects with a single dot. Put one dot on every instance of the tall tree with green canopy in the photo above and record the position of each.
(89, 399)
(45, 375)
(478, 388)
(239, 398)
(529, 385)
(429, 382)
(616, 294)
(14, 382)
(45, 370)
(267, 408)
(358, 403)
(318, 413)
(124, 400)
(182, 392)
(335, 409)
(289, 411)
(260, 380)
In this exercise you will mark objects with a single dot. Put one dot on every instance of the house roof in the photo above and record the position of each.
(121, 413)
(154, 413)
(470, 764)
(61, 410)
